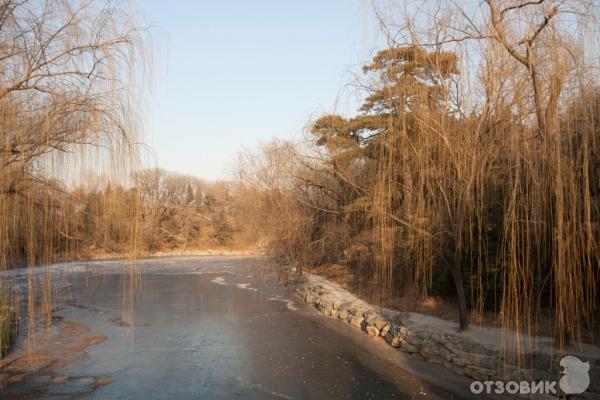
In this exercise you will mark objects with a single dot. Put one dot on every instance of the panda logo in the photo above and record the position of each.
(575, 378)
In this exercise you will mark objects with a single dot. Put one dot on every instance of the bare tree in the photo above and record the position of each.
(67, 81)
(71, 77)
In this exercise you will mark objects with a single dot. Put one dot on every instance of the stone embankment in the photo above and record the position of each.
(479, 353)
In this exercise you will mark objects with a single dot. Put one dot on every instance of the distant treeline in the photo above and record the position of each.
(162, 211)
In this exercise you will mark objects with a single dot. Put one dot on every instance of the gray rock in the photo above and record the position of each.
(430, 351)
(445, 353)
(385, 329)
(343, 315)
(457, 350)
(472, 347)
(357, 321)
(461, 361)
(372, 330)
(439, 337)
(403, 332)
(400, 319)
(456, 353)
(409, 348)
(356, 310)
(388, 338)
(380, 323)
(392, 340)
(394, 330)
(371, 317)
(414, 340)
(425, 335)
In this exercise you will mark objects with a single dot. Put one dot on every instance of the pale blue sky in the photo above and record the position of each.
(233, 73)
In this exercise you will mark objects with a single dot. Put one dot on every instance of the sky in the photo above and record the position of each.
(232, 74)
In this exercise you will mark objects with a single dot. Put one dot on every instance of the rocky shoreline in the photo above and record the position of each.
(435, 340)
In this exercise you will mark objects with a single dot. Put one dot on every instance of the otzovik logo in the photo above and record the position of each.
(575, 380)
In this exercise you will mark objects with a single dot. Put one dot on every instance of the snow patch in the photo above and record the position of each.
(219, 280)
(288, 303)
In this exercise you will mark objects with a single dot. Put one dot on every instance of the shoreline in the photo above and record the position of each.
(479, 353)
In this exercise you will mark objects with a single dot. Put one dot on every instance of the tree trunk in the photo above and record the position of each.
(460, 295)
(458, 283)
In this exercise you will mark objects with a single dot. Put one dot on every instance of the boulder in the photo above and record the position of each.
(380, 323)
(409, 348)
(372, 330)
(388, 338)
(455, 349)
(439, 337)
(401, 319)
(445, 353)
(371, 317)
(430, 350)
(357, 321)
(385, 329)
(356, 310)
(461, 361)
(403, 332)
(414, 340)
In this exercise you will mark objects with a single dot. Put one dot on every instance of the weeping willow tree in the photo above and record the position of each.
(472, 168)
(497, 166)
(71, 73)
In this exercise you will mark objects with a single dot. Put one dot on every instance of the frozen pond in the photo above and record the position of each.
(198, 328)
